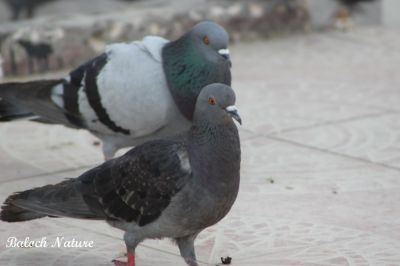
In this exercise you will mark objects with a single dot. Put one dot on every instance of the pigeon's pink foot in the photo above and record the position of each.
(119, 263)
(131, 261)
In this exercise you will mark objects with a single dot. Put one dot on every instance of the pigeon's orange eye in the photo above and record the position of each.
(206, 40)
(211, 101)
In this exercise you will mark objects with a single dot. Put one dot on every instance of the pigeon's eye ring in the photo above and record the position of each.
(212, 101)
(206, 40)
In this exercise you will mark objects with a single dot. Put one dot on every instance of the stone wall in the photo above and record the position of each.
(59, 43)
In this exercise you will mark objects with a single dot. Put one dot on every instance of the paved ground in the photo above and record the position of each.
(320, 172)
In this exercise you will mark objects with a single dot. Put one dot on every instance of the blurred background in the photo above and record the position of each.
(318, 89)
(42, 35)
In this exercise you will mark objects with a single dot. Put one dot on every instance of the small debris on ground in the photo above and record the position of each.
(226, 260)
(60, 145)
(271, 180)
(96, 143)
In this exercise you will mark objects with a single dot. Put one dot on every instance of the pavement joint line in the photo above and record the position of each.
(306, 85)
(250, 137)
(335, 122)
(333, 152)
(376, 107)
(66, 170)
(363, 160)
(296, 253)
(255, 135)
(356, 40)
(48, 173)
(274, 136)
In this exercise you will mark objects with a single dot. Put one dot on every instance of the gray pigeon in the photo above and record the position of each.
(173, 187)
(130, 94)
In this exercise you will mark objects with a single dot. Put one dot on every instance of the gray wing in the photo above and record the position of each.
(138, 186)
(135, 187)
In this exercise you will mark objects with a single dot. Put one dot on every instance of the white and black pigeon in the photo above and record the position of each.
(130, 94)
(173, 187)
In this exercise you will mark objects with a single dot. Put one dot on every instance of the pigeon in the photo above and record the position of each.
(173, 187)
(131, 93)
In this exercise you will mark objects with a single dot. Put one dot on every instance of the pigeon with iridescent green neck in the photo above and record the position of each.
(130, 94)
(204, 59)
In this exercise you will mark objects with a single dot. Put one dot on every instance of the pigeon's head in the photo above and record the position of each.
(212, 38)
(216, 103)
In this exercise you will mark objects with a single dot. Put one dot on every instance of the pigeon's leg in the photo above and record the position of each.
(131, 242)
(186, 247)
(109, 150)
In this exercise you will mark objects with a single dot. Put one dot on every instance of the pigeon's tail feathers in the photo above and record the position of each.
(33, 100)
(57, 200)
(17, 91)
(10, 112)
(12, 213)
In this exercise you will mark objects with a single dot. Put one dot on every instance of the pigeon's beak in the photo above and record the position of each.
(225, 54)
(233, 112)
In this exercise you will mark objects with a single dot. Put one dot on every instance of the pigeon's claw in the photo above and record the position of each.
(191, 262)
(120, 263)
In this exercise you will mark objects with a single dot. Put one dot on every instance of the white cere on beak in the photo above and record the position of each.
(231, 108)
(233, 111)
(223, 51)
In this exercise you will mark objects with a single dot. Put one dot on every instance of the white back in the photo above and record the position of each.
(133, 88)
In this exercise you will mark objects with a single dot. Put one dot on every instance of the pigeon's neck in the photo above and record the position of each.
(215, 155)
(215, 159)
(188, 69)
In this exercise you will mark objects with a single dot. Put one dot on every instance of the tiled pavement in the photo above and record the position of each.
(320, 171)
